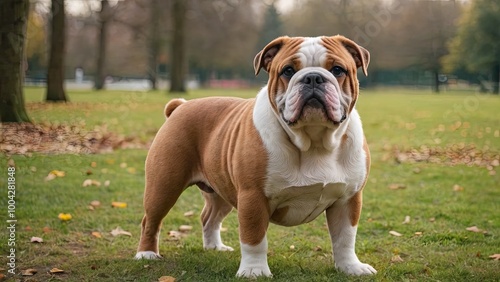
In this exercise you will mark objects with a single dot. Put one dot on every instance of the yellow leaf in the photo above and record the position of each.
(166, 279)
(185, 228)
(131, 170)
(58, 173)
(457, 188)
(96, 234)
(119, 205)
(65, 216)
(91, 182)
(396, 259)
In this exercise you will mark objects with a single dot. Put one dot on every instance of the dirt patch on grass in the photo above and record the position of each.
(25, 138)
(456, 154)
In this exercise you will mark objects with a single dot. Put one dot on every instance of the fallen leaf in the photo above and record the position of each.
(11, 163)
(95, 203)
(174, 235)
(46, 229)
(29, 272)
(2, 276)
(28, 228)
(395, 233)
(96, 234)
(65, 216)
(432, 219)
(292, 247)
(50, 177)
(396, 186)
(407, 219)
(418, 233)
(495, 257)
(189, 213)
(396, 259)
(166, 279)
(56, 270)
(89, 172)
(185, 228)
(91, 182)
(457, 188)
(106, 183)
(93, 164)
(123, 165)
(118, 231)
(131, 170)
(119, 205)
(317, 249)
(36, 240)
(475, 229)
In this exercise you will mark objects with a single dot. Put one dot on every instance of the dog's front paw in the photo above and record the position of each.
(356, 268)
(147, 255)
(254, 272)
(218, 247)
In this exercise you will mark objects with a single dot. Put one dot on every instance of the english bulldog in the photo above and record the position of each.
(295, 151)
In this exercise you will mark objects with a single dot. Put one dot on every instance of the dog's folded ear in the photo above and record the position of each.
(264, 58)
(361, 55)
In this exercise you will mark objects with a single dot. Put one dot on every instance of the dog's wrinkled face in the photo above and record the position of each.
(312, 81)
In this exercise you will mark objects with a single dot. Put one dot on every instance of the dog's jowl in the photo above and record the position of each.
(295, 151)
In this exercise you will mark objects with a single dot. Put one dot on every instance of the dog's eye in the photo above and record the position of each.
(338, 71)
(288, 72)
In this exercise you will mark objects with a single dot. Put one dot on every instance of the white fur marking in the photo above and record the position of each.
(147, 255)
(254, 260)
(213, 241)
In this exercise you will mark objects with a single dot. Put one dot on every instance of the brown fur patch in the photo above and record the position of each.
(356, 202)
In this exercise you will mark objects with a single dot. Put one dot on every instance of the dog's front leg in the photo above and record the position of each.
(253, 216)
(342, 218)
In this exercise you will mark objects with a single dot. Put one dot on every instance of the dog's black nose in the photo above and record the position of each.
(313, 79)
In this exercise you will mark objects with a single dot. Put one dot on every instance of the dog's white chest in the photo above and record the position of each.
(296, 205)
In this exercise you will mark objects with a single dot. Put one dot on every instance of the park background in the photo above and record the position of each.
(77, 120)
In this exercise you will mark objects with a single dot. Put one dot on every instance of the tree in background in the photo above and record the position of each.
(55, 73)
(154, 42)
(104, 19)
(178, 67)
(272, 27)
(476, 46)
(13, 21)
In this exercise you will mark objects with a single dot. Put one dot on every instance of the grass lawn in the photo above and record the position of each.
(441, 197)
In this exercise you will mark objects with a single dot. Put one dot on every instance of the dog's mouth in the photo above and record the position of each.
(314, 109)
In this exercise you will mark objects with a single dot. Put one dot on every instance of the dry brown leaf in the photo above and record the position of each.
(495, 257)
(185, 228)
(56, 270)
(118, 231)
(93, 164)
(36, 240)
(457, 188)
(317, 249)
(418, 233)
(2, 276)
(95, 203)
(475, 229)
(46, 229)
(395, 233)
(50, 177)
(91, 182)
(396, 186)
(292, 247)
(396, 259)
(432, 219)
(11, 163)
(166, 279)
(189, 213)
(28, 228)
(407, 219)
(29, 272)
(106, 183)
(96, 234)
(123, 165)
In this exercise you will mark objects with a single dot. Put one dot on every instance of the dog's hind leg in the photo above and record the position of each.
(214, 212)
(165, 182)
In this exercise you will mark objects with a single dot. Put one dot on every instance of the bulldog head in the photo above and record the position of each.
(312, 82)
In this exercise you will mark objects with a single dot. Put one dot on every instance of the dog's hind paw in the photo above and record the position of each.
(147, 255)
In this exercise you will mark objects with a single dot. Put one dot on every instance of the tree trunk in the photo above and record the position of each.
(435, 86)
(13, 20)
(496, 78)
(55, 74)
(178, 68)
(154, 43)
(104, 16)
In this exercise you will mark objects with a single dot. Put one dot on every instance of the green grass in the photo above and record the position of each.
(402, 119)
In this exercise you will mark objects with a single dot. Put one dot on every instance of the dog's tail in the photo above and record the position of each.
(172, 105)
